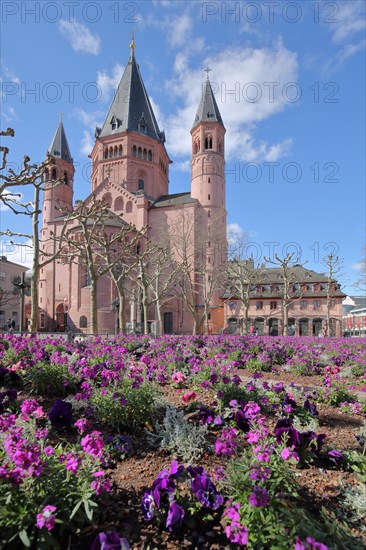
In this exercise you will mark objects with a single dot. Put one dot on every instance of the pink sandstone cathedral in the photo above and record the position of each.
(130, 173)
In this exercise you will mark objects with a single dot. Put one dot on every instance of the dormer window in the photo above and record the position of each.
(114, 123)
(142, 125)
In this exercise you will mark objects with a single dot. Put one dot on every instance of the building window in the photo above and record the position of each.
(332, 303)
(273, 304)
(120, 151)
(259, 305)
(209, 214)
(42, 321)
(208, 142)
(141, 185)
(54, 174)
(83, 322)
(134, 151)
(317, 304)
(209, 197)
(303, 304)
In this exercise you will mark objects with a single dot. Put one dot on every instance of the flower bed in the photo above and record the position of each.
(182, 442)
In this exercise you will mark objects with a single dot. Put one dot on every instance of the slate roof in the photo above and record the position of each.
(131, 108)
(173, 200)
(360, 302)
(208, 110)
(59, 147)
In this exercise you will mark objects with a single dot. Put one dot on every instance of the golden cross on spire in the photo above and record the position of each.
(132, 45)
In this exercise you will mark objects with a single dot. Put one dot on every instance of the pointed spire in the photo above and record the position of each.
(208, 110)
(59, 147)
(131, 108)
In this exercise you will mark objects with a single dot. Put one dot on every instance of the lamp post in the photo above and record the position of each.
(22, 286)
(65, 314)
(115, 307)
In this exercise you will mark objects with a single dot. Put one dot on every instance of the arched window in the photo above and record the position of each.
(87, 279)
(54, 174)
(134, 151)
(106, 153)
(208, 142)
(115, 150)
(120, 151)
(46, 175)
(111, 152)
(141, 185)
(149, 155)
(119, 204)
(129, 207)
(83, 322)
(144, 154)
(139, 153)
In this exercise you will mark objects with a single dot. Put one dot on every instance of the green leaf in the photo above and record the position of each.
(76, 508)
(23, 535)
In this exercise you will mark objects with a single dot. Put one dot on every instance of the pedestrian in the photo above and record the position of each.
(10, 327)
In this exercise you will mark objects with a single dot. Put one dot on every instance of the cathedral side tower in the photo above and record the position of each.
(208, 153)
(58, 195)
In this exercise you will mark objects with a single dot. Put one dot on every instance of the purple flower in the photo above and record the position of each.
(109, 541)
(237, 533)
(206, 492)
(175, 516)
(148, 505)
(309, 544)
(46, 518)
(285, 429)
(259, 498)
(311, 408)
(336, 456)
(61, 414)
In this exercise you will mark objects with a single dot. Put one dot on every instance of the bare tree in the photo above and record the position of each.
(333, 264)
(242, 275)
(30, 175)
(290, 274)
(360, 284)
(118, 250)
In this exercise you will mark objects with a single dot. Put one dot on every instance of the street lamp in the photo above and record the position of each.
(65, 314)
(115, 307)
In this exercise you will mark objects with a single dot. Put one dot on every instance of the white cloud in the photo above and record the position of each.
(108, 84)
(87, 143)
(80, 37)
(21, 253)
(347, 21)
(92, 119)
(248, 84)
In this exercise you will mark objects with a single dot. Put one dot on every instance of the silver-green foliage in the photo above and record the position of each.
(178, 436)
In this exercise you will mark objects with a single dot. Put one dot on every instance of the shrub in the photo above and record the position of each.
(50, 379)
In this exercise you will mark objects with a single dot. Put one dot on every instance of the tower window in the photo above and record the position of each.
(120, 151)
(208, 142)
(54, 174)
(145, 154)
(139, 153)
(149, 155)
(209, 180)
(66, 179)
(209, 214)
(141, 185)
(209, 197)
(106, 153)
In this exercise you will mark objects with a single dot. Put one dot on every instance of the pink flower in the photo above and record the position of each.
(16, 367)
(252, 437)
(178, 378)
(189, 396)
(82, 425)
(93, 444)
(72, 463)
(100, 484)
(46, 518)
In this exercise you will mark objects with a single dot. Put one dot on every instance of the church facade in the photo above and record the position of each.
(130, 174)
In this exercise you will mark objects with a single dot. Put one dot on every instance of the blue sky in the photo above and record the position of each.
(288, 77)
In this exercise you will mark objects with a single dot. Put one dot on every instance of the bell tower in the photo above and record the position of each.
(58, 196)
(208, 152)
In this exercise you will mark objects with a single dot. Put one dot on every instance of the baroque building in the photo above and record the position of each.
(130, 174)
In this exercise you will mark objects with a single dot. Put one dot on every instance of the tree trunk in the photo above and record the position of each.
(93, 307)
(122, 310)
(35, 264)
